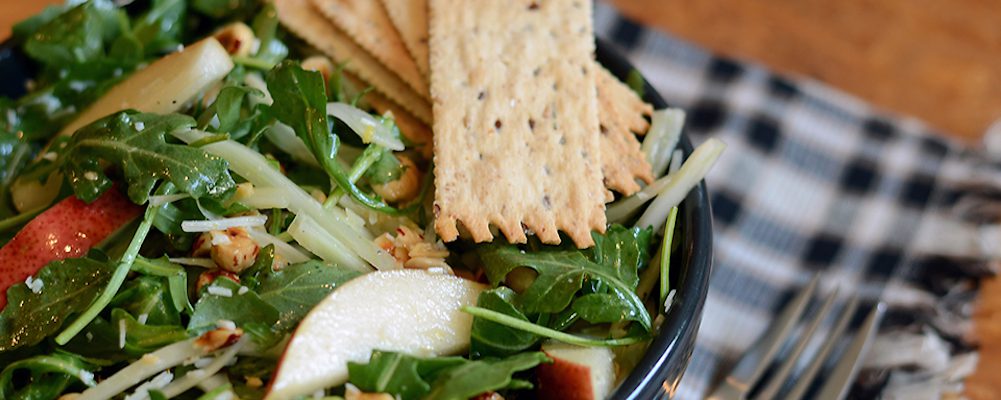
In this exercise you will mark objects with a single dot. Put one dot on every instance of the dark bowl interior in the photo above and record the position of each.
(660, 370)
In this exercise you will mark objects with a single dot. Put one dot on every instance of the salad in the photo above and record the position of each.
(195, 204)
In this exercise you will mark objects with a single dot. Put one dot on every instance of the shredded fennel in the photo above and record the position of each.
(255, 168)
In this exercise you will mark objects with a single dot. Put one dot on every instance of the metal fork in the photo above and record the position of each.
(756, 361)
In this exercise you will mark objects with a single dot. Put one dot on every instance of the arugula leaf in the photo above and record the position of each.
(48, 376)
(102, 338)
(493, 339)
(227, 108)
(135, 141)
(177, 279)
(76, 36)
(168, 221)
(25, 28)
(295, 289)
(413, 378)
(300, 101)
(69, 287)
(562, 273)
(406, 376)
(242, 309)
(386, 169)
(160, 29)
(625, 250)
(148, 296)
(604, 307)
(14, 154)
(477, 377)
(143, 338)
(246, 367)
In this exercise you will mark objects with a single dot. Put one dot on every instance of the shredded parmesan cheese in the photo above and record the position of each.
(35, 285)
(121, 333)
(220, 291)
(224, 223)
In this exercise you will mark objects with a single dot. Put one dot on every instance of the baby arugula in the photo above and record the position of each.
(266, 298)
(50, 376)
(300, 101)
(68, 287)
(597, 285)
(449, 378)
(136, 143)
(610, 269)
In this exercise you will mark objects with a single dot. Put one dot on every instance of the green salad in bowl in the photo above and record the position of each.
(195, 203)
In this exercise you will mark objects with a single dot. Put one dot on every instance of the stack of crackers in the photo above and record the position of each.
(529, 131)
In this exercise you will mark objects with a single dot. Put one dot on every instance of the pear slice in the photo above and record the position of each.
(164, 86)
(576, 372)
(408, 311)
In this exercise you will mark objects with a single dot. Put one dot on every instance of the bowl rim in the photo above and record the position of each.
(668, 354)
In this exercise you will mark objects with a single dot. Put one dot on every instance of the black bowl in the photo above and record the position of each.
(661, 369)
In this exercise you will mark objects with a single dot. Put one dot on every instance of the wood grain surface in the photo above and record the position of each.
(938, 60)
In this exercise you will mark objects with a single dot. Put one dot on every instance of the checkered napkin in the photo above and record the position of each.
(815, 181)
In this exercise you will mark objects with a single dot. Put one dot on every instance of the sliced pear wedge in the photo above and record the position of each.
(576, 372)
(164, 86)
(408, 311)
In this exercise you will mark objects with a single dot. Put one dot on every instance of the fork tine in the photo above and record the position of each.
(754, 362)
(844, 372)
(776, 381)
(804, 379)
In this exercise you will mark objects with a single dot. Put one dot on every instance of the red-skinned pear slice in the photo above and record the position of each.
(409, 311)
(577, 373)
(67, 229)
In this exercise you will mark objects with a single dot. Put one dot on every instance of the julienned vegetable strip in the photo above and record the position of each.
(691, 173)
(255, 168)
(118, 277)
(368, 127)
(166, 357)
(526, 326)
(662, 138)
(312, 237)
(189, 380)
(665, 256)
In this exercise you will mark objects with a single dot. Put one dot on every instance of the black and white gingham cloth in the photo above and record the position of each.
(815, 181)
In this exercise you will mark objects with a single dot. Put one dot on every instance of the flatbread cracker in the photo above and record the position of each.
(621, 113)
(516, 138)
(411, 19)
(368, 24)
(302, 19)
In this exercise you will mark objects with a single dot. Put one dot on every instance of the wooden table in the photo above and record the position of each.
(939, 60)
